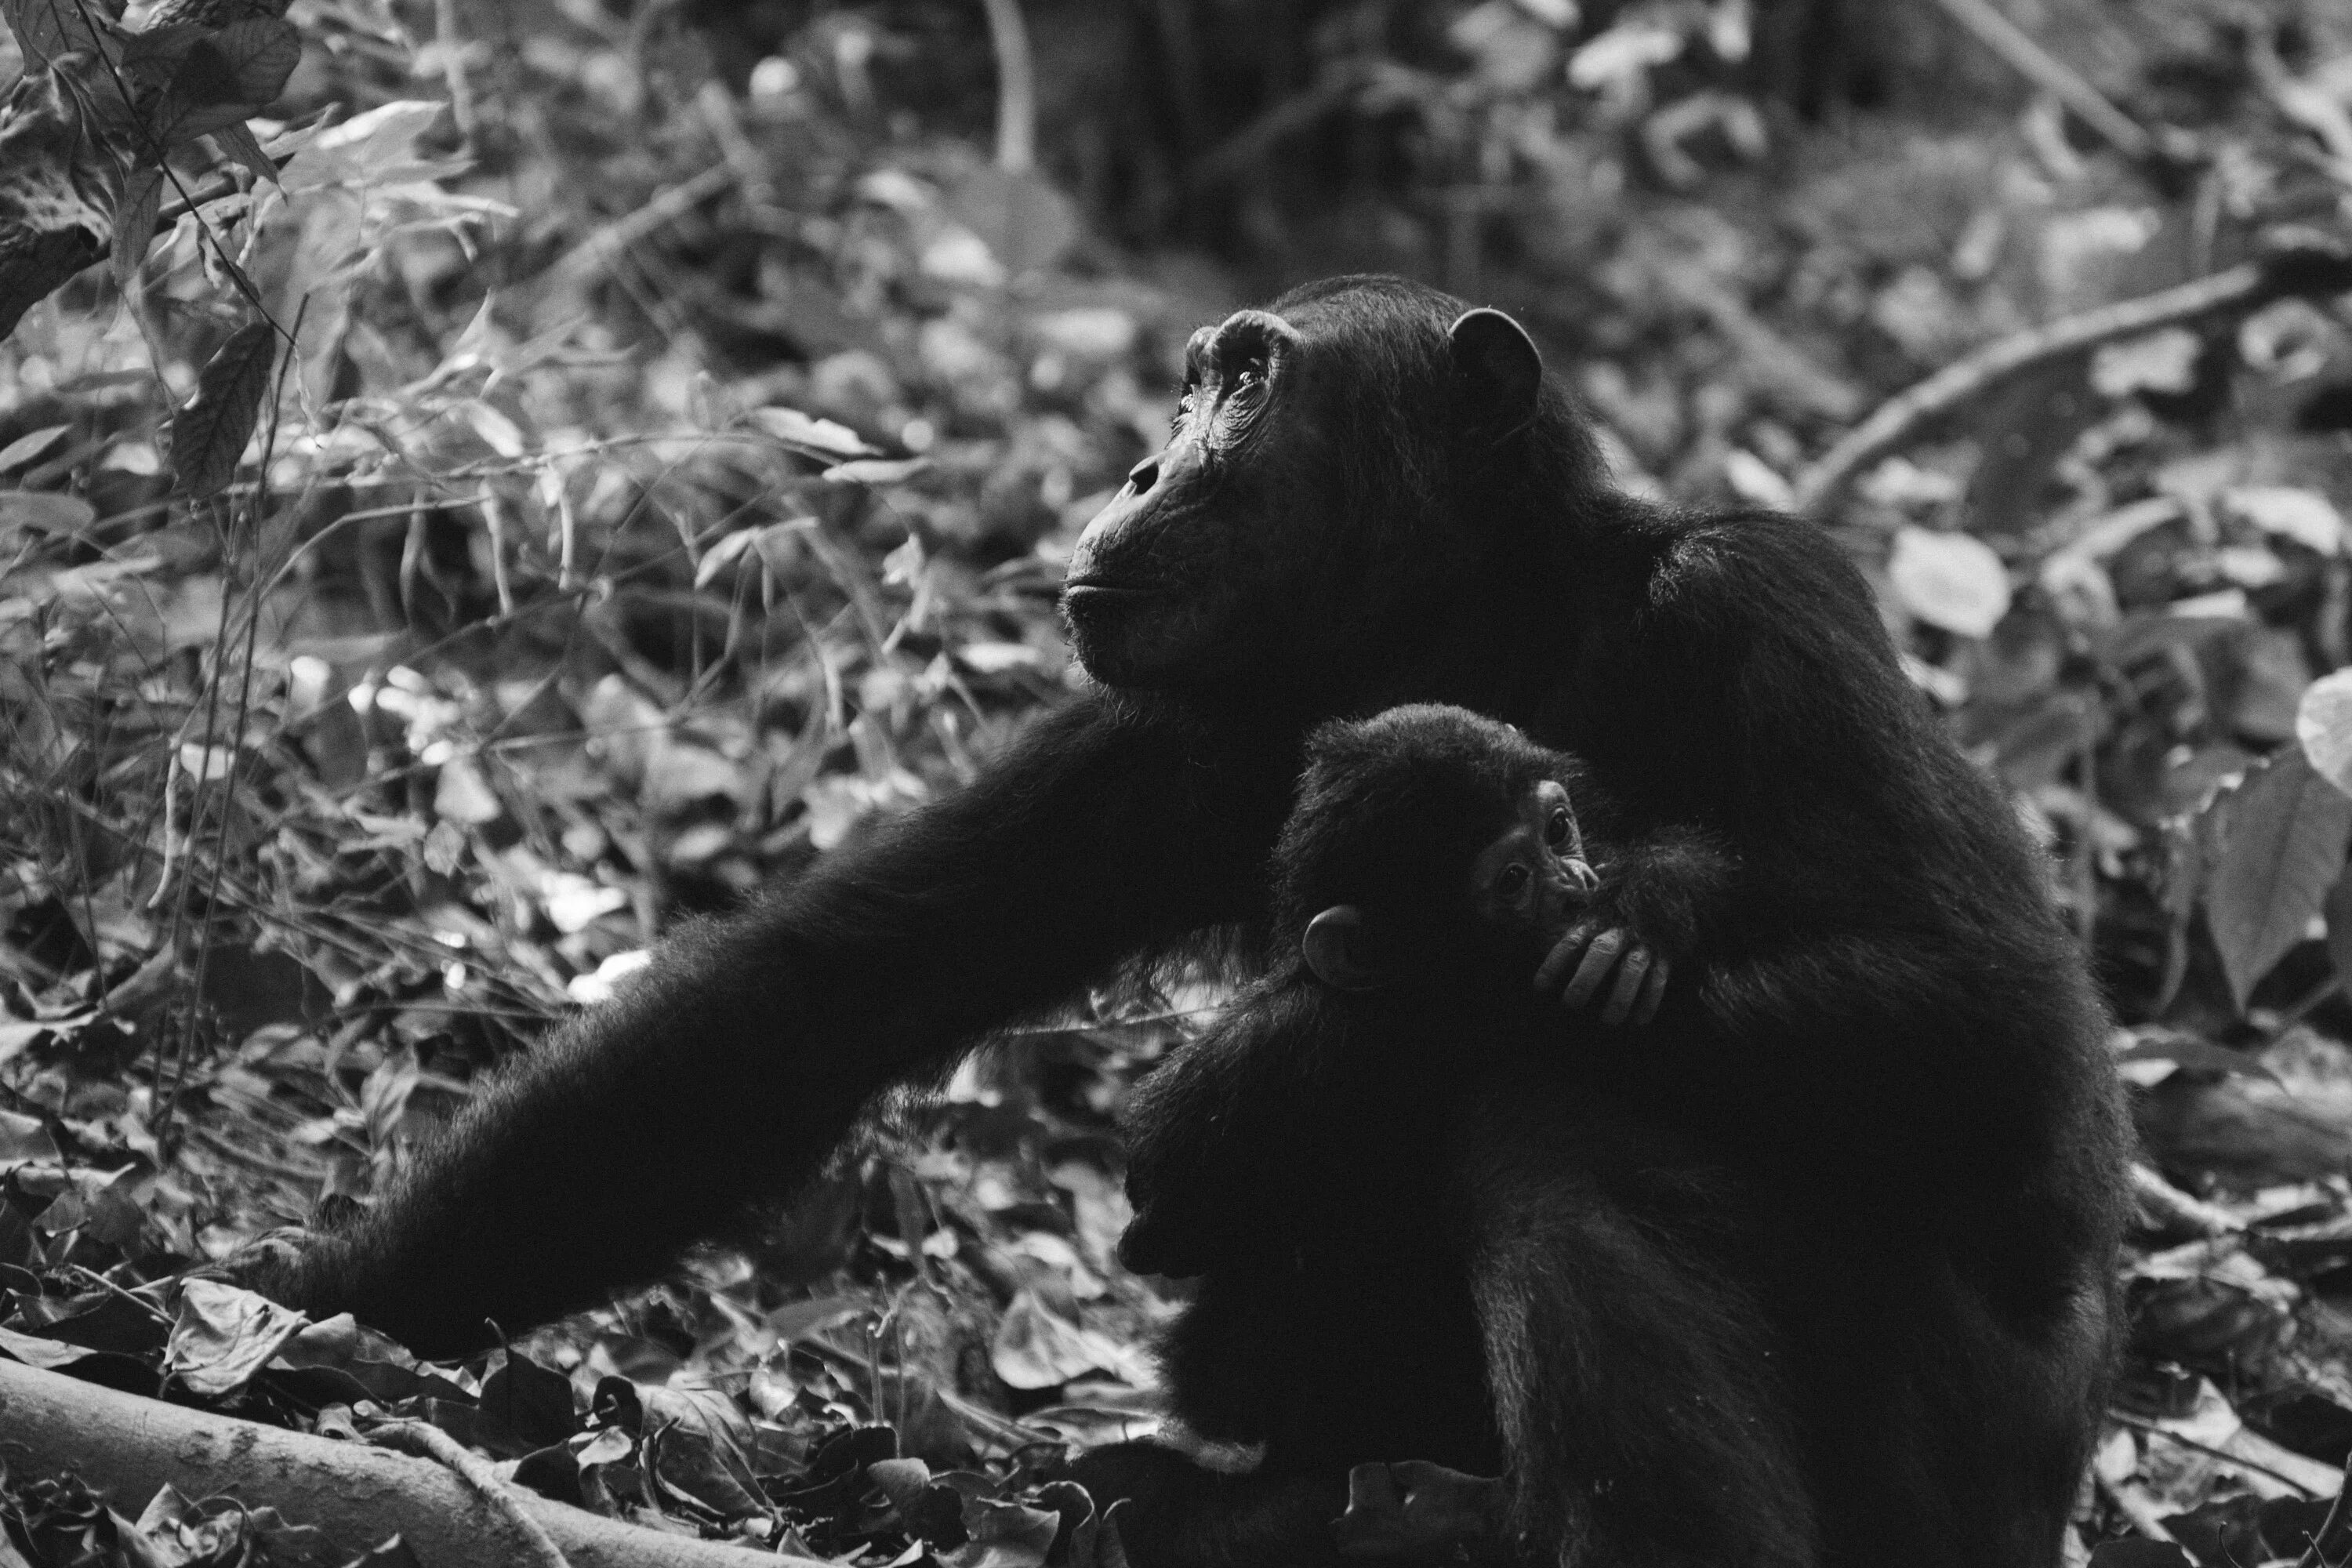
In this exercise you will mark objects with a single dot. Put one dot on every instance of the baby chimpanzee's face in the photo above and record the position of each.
(1533, 878)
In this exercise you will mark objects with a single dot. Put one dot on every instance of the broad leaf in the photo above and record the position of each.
(45, 29)
(27, 448)
(1949, 579)
(223, 1335)
(239, 142)
(209, 435)
(2275, 843)
(809, 434)
(225, 79)
(2323, 723)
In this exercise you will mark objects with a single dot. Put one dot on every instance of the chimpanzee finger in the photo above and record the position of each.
(1599, 959)
(1564, 954)
(1653, 992)
(1628, 989)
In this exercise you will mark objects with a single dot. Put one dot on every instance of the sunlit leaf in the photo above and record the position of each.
(208, 435)
(2305, 516)
(2323, 723)
(1036, 1348)
(796, 428)
(1949, 579)
(375, 147)
(874, 471)
(462, 795)
(26, 447)
(223, 1335)
(2158, 362)
(46, 511)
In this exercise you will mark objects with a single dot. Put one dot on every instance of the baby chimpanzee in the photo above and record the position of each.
(1433, 862)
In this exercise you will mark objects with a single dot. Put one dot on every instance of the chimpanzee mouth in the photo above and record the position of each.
(1094, 594)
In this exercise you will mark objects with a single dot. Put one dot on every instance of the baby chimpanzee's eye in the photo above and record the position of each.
(1512, 882)
(1556, 831)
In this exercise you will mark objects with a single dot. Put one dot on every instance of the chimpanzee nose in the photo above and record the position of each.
(1143, 476)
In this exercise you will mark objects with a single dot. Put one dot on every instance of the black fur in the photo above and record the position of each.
(1354, 514)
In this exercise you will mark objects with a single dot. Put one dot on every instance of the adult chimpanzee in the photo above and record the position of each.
(1373, 497)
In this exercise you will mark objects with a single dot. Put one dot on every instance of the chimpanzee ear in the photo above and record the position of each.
(1334, 947)
(1500, 370)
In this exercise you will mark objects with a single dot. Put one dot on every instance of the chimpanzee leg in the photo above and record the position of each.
(1637, 1379)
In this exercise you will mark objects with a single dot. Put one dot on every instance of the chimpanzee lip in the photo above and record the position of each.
(1099, 588)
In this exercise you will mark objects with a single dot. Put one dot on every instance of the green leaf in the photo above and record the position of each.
(1949, 579)
(21, 451)
(223, 1336)
(45, 29)
(2323, 723)
(134, 224)
(209, 435)
(2278, 841)
(239, 142)
(807, 434)
(226, 77)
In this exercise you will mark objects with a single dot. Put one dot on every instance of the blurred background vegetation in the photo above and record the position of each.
(665, 431)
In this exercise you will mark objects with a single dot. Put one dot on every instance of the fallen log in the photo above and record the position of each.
(356, 1495)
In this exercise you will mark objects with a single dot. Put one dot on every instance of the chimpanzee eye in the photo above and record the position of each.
(1556, 831)
(1512, 882)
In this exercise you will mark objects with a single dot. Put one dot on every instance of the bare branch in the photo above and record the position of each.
(2304, 269)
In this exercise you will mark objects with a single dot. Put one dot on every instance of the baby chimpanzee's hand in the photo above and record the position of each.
(1589, 954)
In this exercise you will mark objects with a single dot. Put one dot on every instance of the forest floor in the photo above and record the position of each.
(672, 477)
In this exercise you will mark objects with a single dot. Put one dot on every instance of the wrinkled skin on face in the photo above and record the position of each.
(1172, 583)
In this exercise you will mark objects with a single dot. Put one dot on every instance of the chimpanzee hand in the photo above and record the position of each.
(1416, 1511)
(1589, 954)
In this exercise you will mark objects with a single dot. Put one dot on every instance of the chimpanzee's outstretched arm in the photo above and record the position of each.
(732, 1066)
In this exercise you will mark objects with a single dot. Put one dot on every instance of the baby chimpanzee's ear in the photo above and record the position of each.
(1335, 950)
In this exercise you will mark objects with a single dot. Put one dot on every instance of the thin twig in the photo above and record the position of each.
(2241, 288)
(1017, 87)
(452, 49)
(598, 250)
(2140, 1510)
(2334, 1539)
(2189, 1213)
(2038, 66)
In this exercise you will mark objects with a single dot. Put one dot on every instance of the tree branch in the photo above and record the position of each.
(2306, 268)
(354, 1495)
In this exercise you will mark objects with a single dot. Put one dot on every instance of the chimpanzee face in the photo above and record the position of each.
(1534, 877)
(1180, 579)
(1294, 480)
